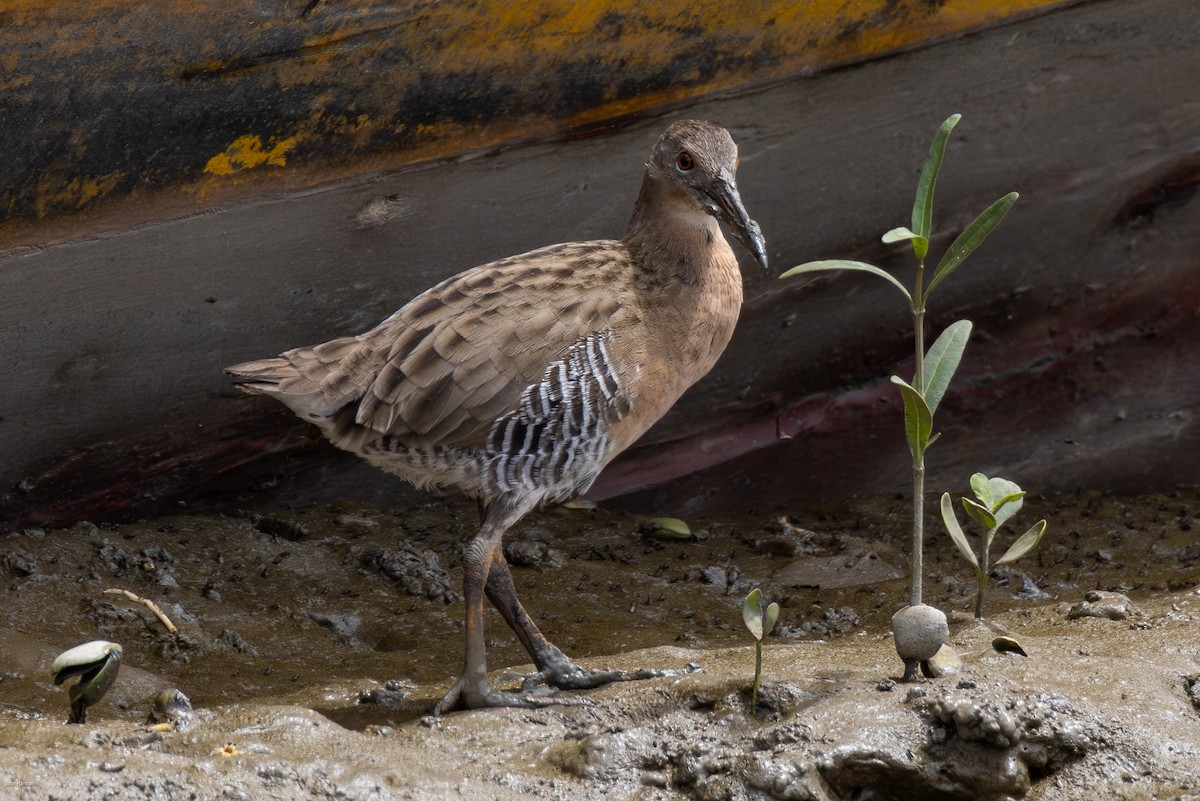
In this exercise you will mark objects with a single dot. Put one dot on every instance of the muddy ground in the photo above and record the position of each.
(313, 642)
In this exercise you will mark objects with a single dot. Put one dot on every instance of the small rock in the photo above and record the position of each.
(343, 624)
(654, 778)
(946, 662)
(20, 564)
(1110, 605)
(418, 572)
(235, 641)
(531, 553)
(278, 527)
(1191, 685)
(173, 707)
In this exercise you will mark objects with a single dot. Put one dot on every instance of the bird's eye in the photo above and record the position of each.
(684, 161)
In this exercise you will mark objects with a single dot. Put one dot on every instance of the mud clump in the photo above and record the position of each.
(1044, 731)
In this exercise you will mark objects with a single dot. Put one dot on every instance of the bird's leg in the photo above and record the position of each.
(554, 667)
(479, 559)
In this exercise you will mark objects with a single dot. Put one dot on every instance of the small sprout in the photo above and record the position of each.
(996, 501)
(97, 663)
(1007, 645)
(667, 528)
(760, 622)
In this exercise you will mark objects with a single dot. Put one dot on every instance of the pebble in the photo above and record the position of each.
(946, 662)
(1110, 605)
(173, 707)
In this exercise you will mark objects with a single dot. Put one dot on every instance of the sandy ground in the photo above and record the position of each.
(313, 642)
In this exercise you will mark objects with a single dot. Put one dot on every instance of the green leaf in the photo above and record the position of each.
(850, 266)
(1002, 489)
(918, 420)
(1006, 499)
(770, 618)
(902, 234)
(752, 613)
(980, 514)
(1007, 507)
(970, 239)
(1012, 497)
(942, 361)
(982, 487)
(922, 213)
(956, 532)
(1024, 544)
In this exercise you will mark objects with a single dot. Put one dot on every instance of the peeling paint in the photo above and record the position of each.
(247, 152)
(173, 99)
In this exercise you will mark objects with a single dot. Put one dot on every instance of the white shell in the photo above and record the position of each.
(86, 654)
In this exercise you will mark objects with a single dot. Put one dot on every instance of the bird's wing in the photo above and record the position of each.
(442, 369)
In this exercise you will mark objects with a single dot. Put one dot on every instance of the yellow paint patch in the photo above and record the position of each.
(75, 194)
(248, 152)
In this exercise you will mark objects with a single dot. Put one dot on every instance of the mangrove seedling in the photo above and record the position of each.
(97, 664)
(996, 501)
(760, 622)
(933, 369)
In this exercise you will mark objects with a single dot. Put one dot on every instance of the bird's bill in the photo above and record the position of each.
(728, 206)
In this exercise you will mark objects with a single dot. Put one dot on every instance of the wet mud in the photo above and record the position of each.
(313, 642)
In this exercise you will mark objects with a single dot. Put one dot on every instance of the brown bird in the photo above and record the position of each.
(516, 382)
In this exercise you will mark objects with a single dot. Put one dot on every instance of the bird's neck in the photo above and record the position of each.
(670, 236)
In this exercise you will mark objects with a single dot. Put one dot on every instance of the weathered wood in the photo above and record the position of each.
(115, 113)
(1083, 371)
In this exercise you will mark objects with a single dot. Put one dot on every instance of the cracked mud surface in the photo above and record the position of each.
(313, 642)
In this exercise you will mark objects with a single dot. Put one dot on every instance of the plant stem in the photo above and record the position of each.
(918, 547)
(983, 575)
(918, 530)
(757, 676)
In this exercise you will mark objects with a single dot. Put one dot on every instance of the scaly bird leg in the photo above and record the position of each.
(485, 571)
(479, 560)
(554, 667)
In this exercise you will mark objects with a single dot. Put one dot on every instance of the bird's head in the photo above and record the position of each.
(701, 160)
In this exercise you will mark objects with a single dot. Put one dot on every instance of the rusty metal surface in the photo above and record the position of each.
(115, 113)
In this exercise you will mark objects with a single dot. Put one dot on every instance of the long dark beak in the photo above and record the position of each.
(727, 206)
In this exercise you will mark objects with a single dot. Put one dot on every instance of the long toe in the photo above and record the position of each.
(531, 698)
(452, 700)
(532, 695)
(570, 676)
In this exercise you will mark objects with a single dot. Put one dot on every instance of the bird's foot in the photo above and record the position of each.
(530, 696)
(564, 674)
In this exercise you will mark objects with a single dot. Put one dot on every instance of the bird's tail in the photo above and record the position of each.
(265, 376)
(286, 380)
(315, 383)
